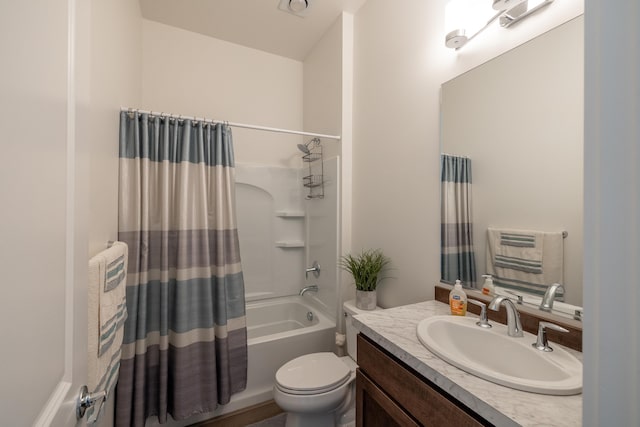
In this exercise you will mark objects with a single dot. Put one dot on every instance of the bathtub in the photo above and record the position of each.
(278, 330)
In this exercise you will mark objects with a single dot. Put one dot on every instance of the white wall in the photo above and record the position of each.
(60, 178)
(33, 168)
(323, 88)
(115, 70)
(115, 67)
(400, 63)
(194, 75)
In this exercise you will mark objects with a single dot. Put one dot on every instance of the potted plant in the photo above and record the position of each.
(365, 269)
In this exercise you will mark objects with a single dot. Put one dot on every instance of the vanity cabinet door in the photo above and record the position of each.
(375, 409)
(387, 391)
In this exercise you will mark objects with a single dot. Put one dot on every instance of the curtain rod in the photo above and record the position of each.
(239, 125)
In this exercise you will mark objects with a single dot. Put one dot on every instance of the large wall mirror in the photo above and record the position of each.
(519, 118)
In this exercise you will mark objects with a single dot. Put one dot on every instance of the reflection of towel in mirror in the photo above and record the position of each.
(518, 251)
(525, 261)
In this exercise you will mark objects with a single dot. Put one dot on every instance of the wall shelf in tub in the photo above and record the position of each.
(290, 244)
(290, 214)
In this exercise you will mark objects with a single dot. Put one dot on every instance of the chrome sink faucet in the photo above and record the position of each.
(312, 288)
(550, 296)
(541, 343)
(514, 327)
(483, 322)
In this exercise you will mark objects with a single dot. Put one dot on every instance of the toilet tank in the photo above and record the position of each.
(351, 310)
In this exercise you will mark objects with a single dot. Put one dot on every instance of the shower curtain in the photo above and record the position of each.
(185, 345)
(457, 256)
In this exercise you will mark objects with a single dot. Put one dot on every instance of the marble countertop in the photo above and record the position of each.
(395, 330)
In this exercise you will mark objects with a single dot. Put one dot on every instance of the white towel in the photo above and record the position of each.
(107, 313)
(525, 260)
(522, 250)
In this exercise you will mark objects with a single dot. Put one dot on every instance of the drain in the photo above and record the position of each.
(310, 316)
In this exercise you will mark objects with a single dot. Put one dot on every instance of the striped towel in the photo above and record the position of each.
(107, 314)
(113, 307)
(520, 251)
(525, 261)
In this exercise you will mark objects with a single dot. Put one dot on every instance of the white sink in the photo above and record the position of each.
(494, 356)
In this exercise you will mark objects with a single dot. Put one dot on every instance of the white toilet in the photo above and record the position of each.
(318, 389)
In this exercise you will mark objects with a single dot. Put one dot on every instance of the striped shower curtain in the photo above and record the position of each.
(457, 257)
(185, 344)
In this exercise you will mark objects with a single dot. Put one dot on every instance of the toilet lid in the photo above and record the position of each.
(312, 373)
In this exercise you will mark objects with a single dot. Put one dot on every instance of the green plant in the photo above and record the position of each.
(365, 268)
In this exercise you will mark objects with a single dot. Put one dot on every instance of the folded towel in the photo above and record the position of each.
(113, 308)
(525, 257)
(518, 265)
(107, 313)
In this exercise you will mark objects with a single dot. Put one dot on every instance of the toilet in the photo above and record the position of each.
(318, 389)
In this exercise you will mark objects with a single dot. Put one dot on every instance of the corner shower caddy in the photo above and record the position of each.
(314, 181)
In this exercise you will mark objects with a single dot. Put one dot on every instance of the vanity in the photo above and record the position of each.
(400, 382)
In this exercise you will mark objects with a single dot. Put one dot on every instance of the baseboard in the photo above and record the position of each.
(243, 417)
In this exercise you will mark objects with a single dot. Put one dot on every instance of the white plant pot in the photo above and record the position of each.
(366, 300)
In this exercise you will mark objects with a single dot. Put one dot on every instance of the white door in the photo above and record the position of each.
(43, 221)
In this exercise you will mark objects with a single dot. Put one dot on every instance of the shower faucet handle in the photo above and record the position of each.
(315, 268)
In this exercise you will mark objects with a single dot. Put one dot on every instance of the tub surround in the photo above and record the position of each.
(394, 330)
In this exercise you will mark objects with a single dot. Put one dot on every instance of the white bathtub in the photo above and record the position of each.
(279, 330)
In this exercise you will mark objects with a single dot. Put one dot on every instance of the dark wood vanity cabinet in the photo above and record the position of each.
(390, 394)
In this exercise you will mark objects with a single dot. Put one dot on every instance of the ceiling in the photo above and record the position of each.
(258, 24)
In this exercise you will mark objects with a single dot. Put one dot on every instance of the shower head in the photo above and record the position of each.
(303, 148)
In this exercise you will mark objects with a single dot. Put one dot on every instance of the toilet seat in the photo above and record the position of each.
(312, 374)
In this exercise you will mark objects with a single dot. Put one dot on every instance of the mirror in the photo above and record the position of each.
(519, 118)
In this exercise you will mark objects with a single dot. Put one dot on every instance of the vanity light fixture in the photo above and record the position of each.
(505, 4)
(465, 19)
(521, 11)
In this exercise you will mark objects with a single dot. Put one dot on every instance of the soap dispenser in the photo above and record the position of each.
(488, 288)
(458, 300)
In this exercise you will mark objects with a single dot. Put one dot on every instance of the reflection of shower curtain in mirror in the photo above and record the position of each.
(457, 259)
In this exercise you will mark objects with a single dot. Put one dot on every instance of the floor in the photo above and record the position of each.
(266, 414)
(277, 421)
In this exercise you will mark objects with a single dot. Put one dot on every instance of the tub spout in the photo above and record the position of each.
(312, 288)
